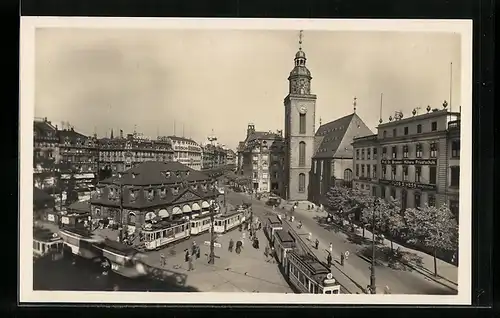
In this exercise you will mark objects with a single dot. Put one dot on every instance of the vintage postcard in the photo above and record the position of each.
(245, 161)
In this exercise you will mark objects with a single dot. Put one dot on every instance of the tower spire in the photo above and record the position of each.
(354, 103)
(300, 39)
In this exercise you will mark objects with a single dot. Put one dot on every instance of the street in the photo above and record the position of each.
(356, 268)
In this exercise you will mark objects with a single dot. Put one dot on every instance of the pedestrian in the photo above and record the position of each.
(239, 245)
(193, 248)
(300, 225)
(309, 236)
(231, 245)
(293, 218)
(342, 259)
(329, 259)
(186, 256)
(316, 244)
(162, 260)
(387, 290)
(266, 252)
(330, 248)
(198, 252)
(190, 263)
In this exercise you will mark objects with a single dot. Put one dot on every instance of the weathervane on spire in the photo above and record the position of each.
(300, 40)
(354, 103)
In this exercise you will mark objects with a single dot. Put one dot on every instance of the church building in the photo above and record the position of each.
(314, 159)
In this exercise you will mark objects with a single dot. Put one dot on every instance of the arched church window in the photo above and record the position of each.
(302, 182)
(348, 175)
(302, 123)
(302, 153)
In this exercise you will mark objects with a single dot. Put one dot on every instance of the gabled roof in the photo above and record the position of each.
(154, 172)
(335, 138)
(262, 135)
(70, 134)
(332, 134)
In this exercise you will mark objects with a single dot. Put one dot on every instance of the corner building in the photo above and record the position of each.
(415, 160)
(300, 109)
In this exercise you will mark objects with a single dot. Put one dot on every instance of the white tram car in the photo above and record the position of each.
(228, 221)
(308, 275)
(46, 242)
(200, 225)
(161, 234)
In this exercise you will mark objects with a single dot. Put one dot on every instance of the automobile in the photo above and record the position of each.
(273, 201)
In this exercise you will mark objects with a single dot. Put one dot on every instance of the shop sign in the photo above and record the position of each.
(409, 185)
(65, 220)
(409, 162)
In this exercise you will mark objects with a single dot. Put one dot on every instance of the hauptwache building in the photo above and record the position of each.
(414, 159)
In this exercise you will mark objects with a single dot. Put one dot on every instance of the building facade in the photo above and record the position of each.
(151, 191)
(78, 163)
(214, 156)
(332, 162)
(416, 160)
(187, 152)
(123, 153)
(300, 109)
(45, 154)
(261, 159)
(230, 157)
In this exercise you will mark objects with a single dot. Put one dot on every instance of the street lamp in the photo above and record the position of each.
(211, 257)
(373, 288)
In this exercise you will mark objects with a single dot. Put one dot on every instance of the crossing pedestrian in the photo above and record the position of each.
(329, 259)
(162, 260)
(316, 244)
(190, 263)
(231, 245)
(186, 256)
(342, 259)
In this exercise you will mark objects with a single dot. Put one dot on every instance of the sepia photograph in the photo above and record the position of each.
(245, 161)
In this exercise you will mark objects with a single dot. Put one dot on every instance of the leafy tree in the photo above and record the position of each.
(394, 220)
(337, 201)
(433, 227)
(374, 212)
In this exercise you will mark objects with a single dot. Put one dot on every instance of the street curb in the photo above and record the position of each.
(414, 267)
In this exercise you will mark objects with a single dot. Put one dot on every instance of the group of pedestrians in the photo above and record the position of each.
(192, 254)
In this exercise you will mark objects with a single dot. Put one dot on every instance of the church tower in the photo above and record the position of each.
(300, 109)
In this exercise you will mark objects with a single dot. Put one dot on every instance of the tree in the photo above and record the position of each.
(337, 201)
(394, 220)
(433, 227)
(373, 212)
(71, 193)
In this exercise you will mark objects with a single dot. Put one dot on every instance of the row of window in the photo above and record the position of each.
(406, 130)
(406, 150)
(432, 179)
(149, 194)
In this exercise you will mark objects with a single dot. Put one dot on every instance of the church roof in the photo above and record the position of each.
(262, 135)
(333, 136)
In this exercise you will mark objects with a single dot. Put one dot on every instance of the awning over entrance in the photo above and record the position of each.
(186, 209)
(163, 213)
(149, 216)
(176, 210)
(195, 207)
(205, 204)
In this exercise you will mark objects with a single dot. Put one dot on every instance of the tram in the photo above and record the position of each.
(273, 223)
(200, 225)
(227, 222)
(308, 275)
(122, 259)
(283, 243)
(163, 233)
(46, 242)
(80, 242)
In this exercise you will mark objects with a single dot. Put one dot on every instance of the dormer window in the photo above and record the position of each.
(167, 174)
(187, 173)
(163, 192)
(134, 175)
(177, 174)
(133, 195)
(111, 193)
(175, 190)
(150, 193)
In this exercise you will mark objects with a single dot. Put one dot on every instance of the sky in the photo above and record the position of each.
(222, 80)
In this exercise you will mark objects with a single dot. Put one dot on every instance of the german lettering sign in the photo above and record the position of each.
(409, 185)
(409, 162)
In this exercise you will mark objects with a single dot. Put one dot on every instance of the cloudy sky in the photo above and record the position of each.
(100, 79)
